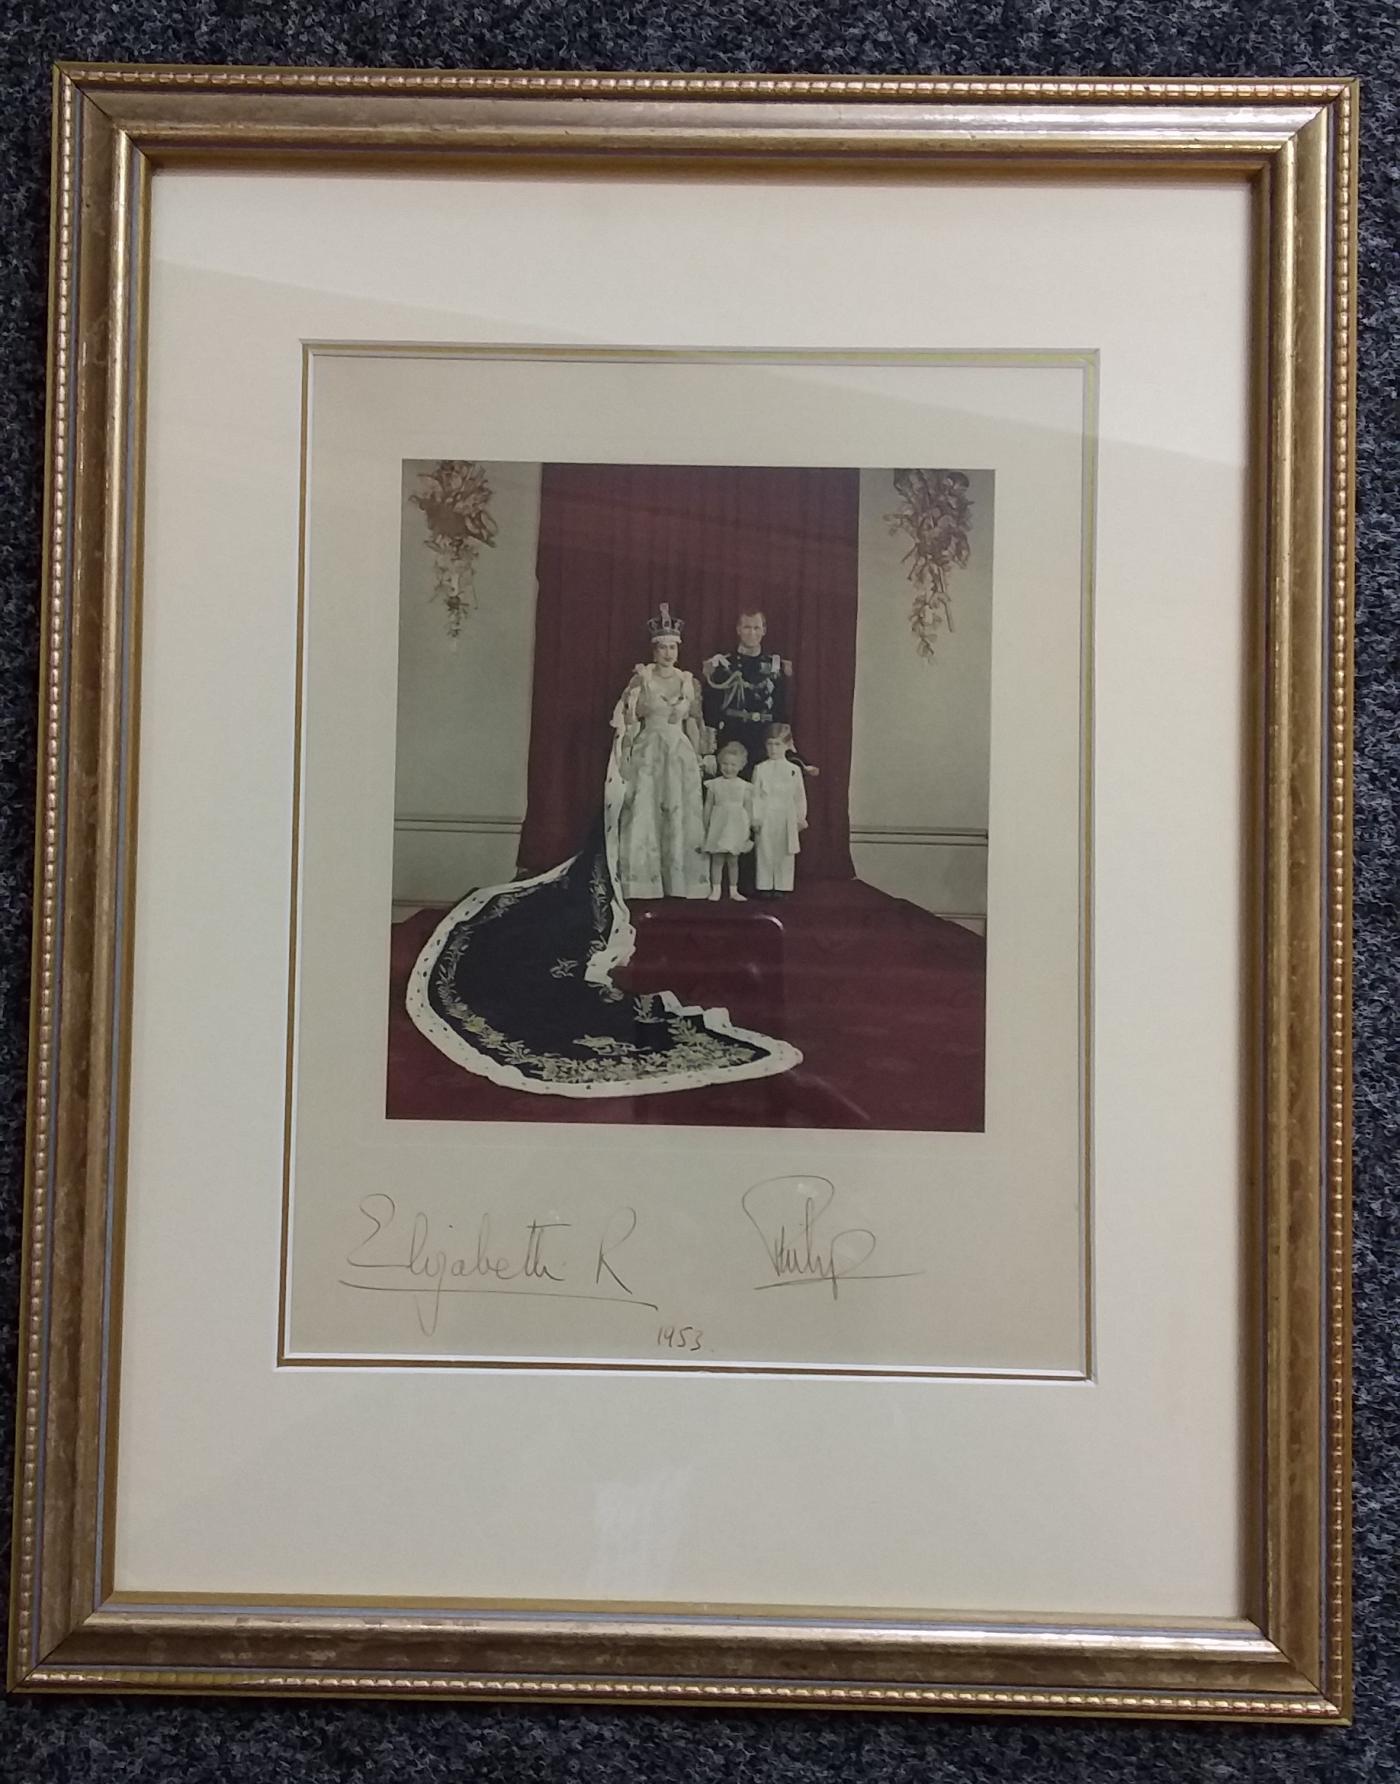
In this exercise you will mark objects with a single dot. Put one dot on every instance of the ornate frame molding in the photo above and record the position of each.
(115, 127)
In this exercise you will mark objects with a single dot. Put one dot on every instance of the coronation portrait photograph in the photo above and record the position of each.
(691, 921)
(691, 795)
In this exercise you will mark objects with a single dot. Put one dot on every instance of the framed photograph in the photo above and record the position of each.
(690, 1029)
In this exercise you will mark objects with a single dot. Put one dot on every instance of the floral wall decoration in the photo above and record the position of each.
(935, 512)
(455, 500)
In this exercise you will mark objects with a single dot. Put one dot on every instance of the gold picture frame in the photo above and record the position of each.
(115, 128)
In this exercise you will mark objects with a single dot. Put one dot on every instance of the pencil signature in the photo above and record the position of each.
(544, 1259)
(790, 1216)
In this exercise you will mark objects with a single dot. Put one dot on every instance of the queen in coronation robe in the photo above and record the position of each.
(517, 982)
(656, 757)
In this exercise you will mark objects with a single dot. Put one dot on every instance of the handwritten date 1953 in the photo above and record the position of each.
(679, 1338)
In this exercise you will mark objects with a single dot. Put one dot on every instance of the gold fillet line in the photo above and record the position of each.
(1277, 838)
(530, 352)
(284, 1248)
(628, 1365)
(127, 478)
(107, 987)
(878, 1628)
(1088, 549)
(766, 86)
(48, 854)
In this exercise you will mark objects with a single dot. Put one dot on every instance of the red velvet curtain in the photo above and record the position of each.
(714, 541)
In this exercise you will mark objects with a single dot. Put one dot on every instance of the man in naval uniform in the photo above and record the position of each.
(746, 691)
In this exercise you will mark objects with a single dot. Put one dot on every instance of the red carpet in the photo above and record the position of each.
(885, 1002)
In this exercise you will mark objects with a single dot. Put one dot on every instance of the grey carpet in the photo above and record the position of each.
(125, 1740)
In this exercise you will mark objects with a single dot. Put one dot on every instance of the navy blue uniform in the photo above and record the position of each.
(743, 696)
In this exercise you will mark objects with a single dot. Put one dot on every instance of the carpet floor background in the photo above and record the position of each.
(121, 1741)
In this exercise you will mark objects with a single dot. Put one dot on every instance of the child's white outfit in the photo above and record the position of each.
(779, 811)
(728, 814)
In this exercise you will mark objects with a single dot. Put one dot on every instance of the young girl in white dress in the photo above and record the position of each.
(728, 820)
(779, 812)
